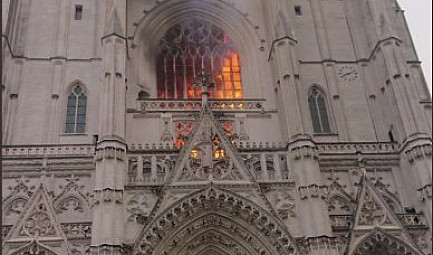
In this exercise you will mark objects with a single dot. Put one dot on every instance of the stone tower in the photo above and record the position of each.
(213, 127)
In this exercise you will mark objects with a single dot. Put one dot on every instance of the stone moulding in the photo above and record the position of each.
(48, 150)
(270, 230)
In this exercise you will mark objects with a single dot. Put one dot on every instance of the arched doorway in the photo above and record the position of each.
(215, 221)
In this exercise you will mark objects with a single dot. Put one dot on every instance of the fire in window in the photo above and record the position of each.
(190, 48)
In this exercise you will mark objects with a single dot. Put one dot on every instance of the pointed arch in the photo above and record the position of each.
(76, 108)
(215, 212)
(154, 24)
(14, 205)
(319, 110)
(378, 242)
(191, 47)
(339, 202)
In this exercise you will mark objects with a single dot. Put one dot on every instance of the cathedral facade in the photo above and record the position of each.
(213, 127)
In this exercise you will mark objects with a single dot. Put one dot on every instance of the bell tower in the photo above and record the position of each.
(203, 127)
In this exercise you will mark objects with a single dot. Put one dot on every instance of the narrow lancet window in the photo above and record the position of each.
(318, 111)
(191, 47)
(78, 12)
(76, 111)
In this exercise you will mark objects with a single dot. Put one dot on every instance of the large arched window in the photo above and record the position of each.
(191, 47)
(76, 110)
(318, 111)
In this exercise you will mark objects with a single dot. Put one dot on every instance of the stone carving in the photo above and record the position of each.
(79, 249)
(110, 153)
(16, 206)
(33, 248)
(418, 152)
(167, 136)
(384, 244)
(304, 152)
(421, 240)
(139, 206)
(252, 225)
(338, 205)
(17, 201)
(71, 198)
(77, 230)
(320, 245)
(425, 192)
(222, 169)
(5, 232)
(38, 222)
(285, 203)
(372, 213)
(107, 196)
(313, 191)
(145, 169)
(209, 159)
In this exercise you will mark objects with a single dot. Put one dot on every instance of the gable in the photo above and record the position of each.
(209, 156)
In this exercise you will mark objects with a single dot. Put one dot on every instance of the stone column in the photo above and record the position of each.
(316, 226)
(109, 211)
(416, 161)
(277, 166)
(284, 60)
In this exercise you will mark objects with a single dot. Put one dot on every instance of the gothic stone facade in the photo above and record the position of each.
(316, 137)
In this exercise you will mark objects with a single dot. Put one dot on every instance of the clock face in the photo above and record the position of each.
(348, 73)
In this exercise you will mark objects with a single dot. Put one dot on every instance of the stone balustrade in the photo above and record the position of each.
(48, 150)
(341, 222)
(410, 221)
(77, 230)
(413, 221)
(367, 147)
(244, 105)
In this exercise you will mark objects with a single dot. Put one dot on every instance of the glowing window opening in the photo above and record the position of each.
(191, 47)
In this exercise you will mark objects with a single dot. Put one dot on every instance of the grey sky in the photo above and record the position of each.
(419, 16)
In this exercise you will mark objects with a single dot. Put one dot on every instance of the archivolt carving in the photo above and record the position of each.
(212, 212)
(378, 243)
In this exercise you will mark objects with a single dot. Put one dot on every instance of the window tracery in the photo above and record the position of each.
(188, 49)
(318, 111)
(76, 110)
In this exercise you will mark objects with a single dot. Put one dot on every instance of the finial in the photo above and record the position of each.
(204, 85)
